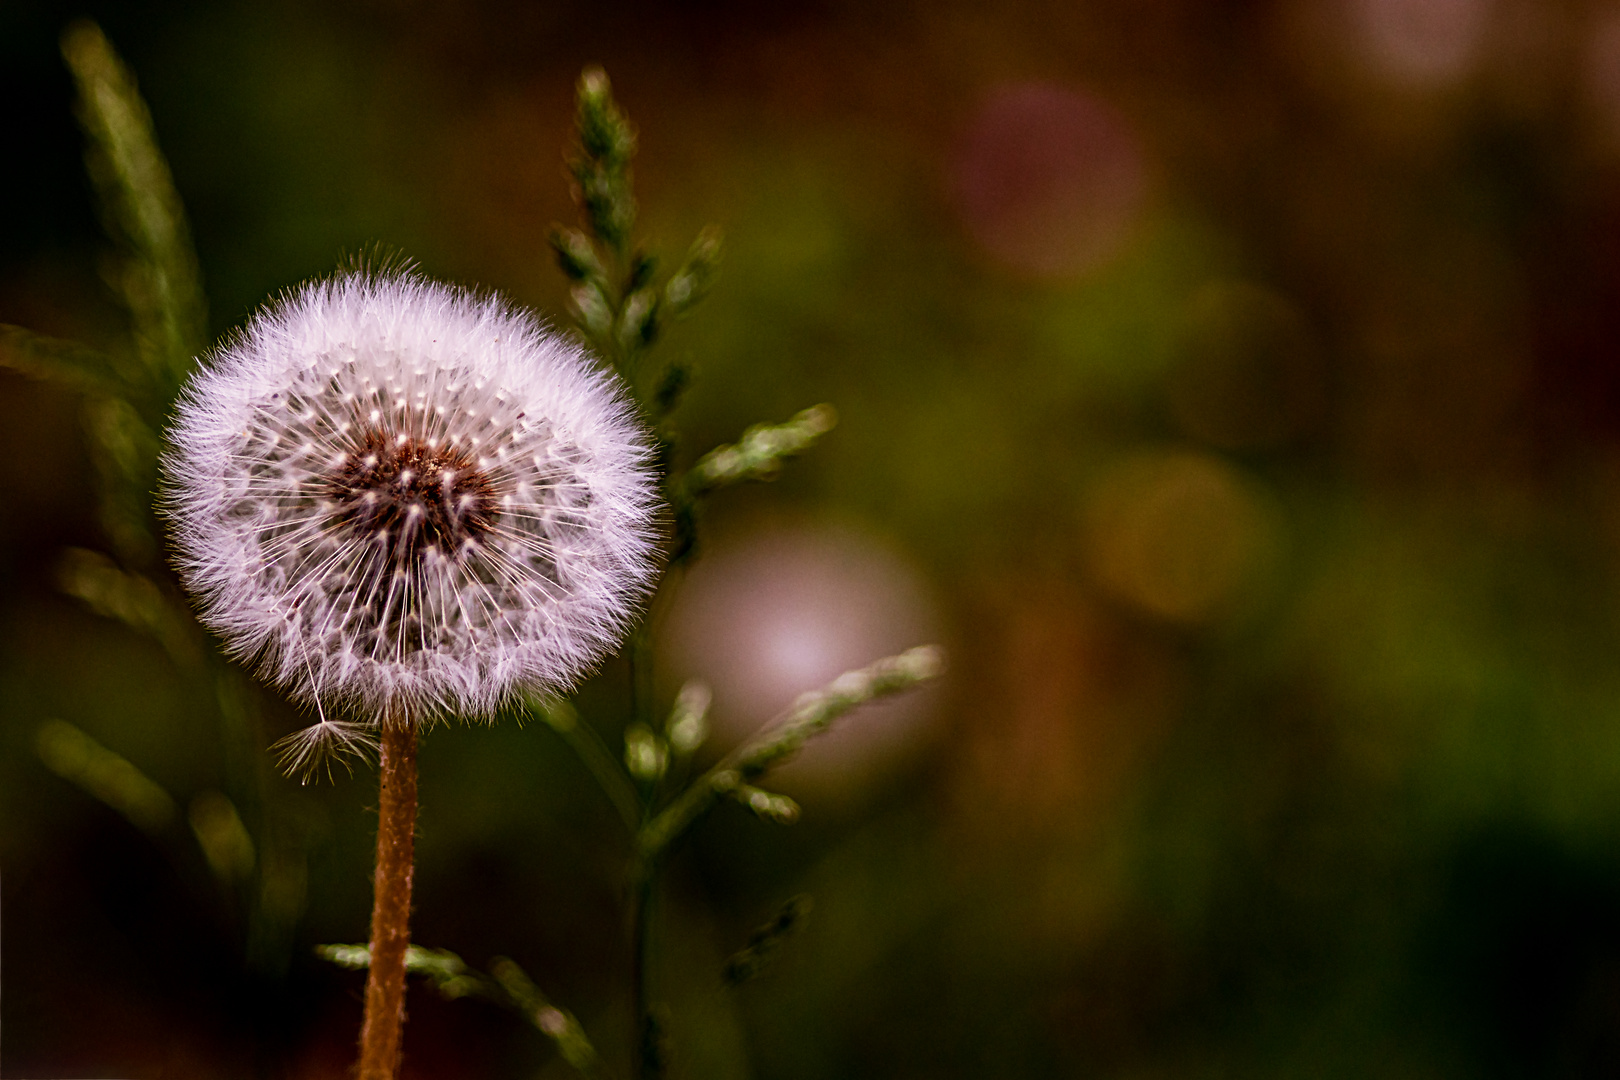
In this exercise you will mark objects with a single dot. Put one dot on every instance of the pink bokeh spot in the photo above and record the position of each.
(774, 612)
(1421, 42)
(1048, 180)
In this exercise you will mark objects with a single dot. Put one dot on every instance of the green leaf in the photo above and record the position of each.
(558, 1024)
(76, 757)
(507, 984)
(124, 450)
(57, 360)
(158, 281)
(132, 599)
(450, 975)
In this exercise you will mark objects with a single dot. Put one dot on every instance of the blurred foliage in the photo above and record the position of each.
(620, 308)
(1353, 812)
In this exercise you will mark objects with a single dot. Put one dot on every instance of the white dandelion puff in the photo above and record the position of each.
(405, 499)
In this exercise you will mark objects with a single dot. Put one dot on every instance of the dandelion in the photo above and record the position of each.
(404, 500)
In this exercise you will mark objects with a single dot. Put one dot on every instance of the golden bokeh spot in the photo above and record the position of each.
(1180, 535)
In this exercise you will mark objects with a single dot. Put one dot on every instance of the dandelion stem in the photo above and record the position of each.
(391, 905)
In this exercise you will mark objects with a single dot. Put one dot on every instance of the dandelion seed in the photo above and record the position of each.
(322, 744)
(341, 518)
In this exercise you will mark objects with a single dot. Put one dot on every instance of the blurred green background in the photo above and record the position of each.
(1232, 387)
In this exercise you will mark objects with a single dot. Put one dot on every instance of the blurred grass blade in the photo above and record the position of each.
(450, 975)
(767, 805)
(814, 711)
(558, 1024)
(601, 167)
(692, 282)
(763, 943)
(353, 957)
(66, 362)
(134, 600)
(758, 454)
(124, 451)
(159, 281)
(565, 720)
(810, 715)
(507, 984)
(223, 838)
(76, 757)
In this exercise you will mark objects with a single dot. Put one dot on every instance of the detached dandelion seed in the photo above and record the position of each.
(405, 500)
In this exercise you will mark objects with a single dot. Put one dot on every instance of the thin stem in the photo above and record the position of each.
(649, 1037)
(807, 717)
(639, 656)
(599, 761)
(391, 904)
(811, 714)
(649, 1040)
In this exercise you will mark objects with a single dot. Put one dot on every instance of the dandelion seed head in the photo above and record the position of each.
(404, 498)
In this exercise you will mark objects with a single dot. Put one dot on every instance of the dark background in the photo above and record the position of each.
(1233, 388)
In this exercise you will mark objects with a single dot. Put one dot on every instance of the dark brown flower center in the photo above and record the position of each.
(412, 496)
